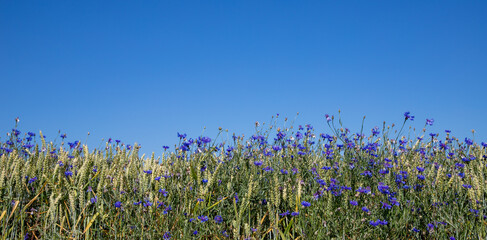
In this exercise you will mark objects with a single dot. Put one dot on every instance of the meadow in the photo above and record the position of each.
(283, 182)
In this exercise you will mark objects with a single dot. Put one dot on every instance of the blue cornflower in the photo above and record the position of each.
(386, 205)
(407, 115)
(147, 204)
(421, 177)
(468, 141)
(363, 190)
(305, 204)
(284, 171)
(354, 203)
(416, 230)
(218, 219)
(68, 173)
(166, 235)
(284, 214)
(375, 224)
(94, 200)
(258, 163)
(195, 232)
(118, 204)
(420, 169)
(294, 214)
(430, 122)
(203, 218)
(365, 209)
(268, 169)
(32, 180)
(164, 192)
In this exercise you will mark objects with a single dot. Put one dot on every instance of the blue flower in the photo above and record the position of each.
(354, 203)
(32, 180)
(218, 219)
(294, 214)
(407, 115)
(68, 173)
(430, 122)
(268, 169)
(164, 192)
(365, 209)
(203, 218)
(195, 232)
(94, 200)
(375, 224)
(166, 235)
(284, 214)
(118, 204)
(305, 204)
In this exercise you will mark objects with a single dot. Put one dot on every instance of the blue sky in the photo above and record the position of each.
(143, 71)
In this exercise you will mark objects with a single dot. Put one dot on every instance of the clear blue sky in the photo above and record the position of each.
(141, 71)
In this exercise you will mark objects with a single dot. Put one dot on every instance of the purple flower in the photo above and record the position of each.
(328, 119)
(118, 204)
(430, 122)
(94, 200)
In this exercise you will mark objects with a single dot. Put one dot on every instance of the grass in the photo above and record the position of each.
(281, 183)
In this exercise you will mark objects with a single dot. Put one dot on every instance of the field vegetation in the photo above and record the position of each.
(283, 182)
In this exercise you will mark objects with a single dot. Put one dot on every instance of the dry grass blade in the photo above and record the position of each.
(90, 223)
